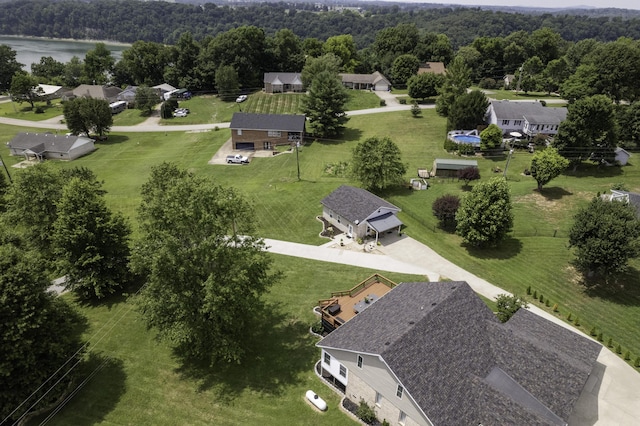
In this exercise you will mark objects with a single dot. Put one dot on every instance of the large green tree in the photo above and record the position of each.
(24, 88)
(315, 65)
(9, 66)
(142, 64)
(589, 131)
(457, 80)
(89, 241)
(547, 164)
(404, 67)
(343, 47)
(424, 85)
(184, 68)
(605, 235)
(205, 271)
(285, 49)
(377, 164)
(467, 111)
(227, 83)
(146, 99)
(39, 334)
(324, 105)
(88, 115)
(98, 65)
(48, 69)
(491, 138)
(485, 215)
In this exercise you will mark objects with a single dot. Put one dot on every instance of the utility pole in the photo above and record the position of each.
(507, 166)
(6, 170)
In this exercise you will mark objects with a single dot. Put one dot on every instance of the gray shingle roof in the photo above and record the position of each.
(281, 122)
(41, 142)
(534, 111)
(354, 203)
(282, 78)
(443, 343)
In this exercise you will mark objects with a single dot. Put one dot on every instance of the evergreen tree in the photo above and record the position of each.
(324, 105)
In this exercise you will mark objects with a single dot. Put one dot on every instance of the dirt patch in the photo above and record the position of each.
(328, 231)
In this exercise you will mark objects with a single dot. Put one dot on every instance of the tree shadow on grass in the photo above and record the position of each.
(553, 192)
(623, 290)
(506, 249)
(120, 296)
(113, 140)
(349, 135)
(594, 170)
(95, 392)
(279, 348)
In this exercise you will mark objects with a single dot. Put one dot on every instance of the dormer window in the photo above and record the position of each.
(359, 362)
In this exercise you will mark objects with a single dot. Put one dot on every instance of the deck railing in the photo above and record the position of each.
(375, 278)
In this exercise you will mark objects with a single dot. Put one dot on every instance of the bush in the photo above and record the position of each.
(383, 102)
(466, 149)
(39, 110)
(508, 305)
(555, 307)
(599, 338)
(637, 362)
(535, 294)
(609, 342)
(317, 327)
(569, 317)
(445, 209)
(577, 322)
(487, 83)
(541, 298)
(402, 101)
(618, 349)
(450, 146)
(593, 331)
(547, 303)
(528, 290)
(627, 356)
(366, 413)
(415, 109)
(543, 102)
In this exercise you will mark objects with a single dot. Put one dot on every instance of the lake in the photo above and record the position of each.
(30, 50)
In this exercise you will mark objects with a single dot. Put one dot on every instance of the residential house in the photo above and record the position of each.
(359, 213)
(508, 80)
(435, 354)
(375, 81)
(622, 156)
(49, 91)
(266, 131)
(280, 82)
(108, 93)
(128, 95)
(632, 198)
(38, 146)
(448, 167)
(529, 118)
(433, 68)
(164, 88)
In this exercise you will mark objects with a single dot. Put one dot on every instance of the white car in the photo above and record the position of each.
(241, 98)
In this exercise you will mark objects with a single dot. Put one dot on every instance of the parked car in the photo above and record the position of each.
(181, 112)
(241, 98)
(237, 159)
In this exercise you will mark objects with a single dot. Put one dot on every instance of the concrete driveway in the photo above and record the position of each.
(612, 393)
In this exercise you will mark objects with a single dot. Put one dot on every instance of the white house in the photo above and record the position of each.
(359, 213)
(434, 354)
(529, 118)
(374, 81)
(622, 156)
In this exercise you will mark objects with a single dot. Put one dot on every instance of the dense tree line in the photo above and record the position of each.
(162, 22)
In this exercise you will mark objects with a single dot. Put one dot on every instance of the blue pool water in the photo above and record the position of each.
(466, 139)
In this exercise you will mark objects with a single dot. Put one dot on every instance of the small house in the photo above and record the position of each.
(266, 131)
(446, 167)
(375, 81)
(622, 156)
(40, 146)
(359, 213)
(281, 82)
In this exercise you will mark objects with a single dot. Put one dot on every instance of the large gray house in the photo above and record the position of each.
(528, 118)
(279, 82)
(434, 354)
(38, 146)
(359, 213)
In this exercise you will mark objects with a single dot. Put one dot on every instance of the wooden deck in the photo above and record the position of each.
(372, 288)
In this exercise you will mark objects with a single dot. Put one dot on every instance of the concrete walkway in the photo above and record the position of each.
(612, 393)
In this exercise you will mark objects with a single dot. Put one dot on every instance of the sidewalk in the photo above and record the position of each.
(612, 393)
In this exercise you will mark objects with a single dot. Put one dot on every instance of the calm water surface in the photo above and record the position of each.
(30, 50)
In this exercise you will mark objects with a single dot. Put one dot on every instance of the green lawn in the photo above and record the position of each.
(128, 117)
(536, 255)
(24, 111)
(143, 383)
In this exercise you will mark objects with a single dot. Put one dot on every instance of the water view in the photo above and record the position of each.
(30, 50)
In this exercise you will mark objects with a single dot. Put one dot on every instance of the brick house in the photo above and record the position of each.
(266, 131)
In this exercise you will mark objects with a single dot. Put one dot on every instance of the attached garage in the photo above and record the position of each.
(246, 146)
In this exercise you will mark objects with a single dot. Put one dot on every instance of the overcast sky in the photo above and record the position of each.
(620, 4)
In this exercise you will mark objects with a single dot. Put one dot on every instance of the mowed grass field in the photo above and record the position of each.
(536, 255)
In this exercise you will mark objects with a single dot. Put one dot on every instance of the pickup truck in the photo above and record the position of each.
(237, 159)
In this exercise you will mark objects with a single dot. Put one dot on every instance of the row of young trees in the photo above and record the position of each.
(199, 270)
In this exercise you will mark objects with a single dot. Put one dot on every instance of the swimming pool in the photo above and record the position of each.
(472, 139)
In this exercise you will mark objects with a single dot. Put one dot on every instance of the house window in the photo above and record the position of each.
(266, 145)
(239, 132)
(339, 219)
(518, 123)
(402, 418)
(399, 391)
(359, 361)
(505, 122)
(274, 133)
(378, 399)
(343, 371)
(327, 358)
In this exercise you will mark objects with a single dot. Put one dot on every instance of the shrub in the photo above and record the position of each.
(468, 173)
(385, 423)
(383, 102)
(577, 322)
(618, 349)
(445, 208)
(39, 110)
(415, 109)
(528, 290)
(637, 362)
(541, 298)
(555, 307)
(543, 102)
(627, 356)
(599, 338)
(535, 294)
(569, 317)
(450, 146)
(609, 342)
(508, 305)
(593, 331)
(365, 413)
(466, 149)
(402, 101)
(487, 83)
(547, 303)
(317, 327)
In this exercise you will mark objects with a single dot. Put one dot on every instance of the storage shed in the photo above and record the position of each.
(445, 167)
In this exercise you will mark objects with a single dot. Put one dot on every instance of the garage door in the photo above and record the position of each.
(248, 146)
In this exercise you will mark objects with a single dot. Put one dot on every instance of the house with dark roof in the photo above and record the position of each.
(374, 81)
(108, 93)
(432, 68)
(280, 82)
(266, 131)
(529, 118)
(435, 354)
(359, 213)
(38, 146)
